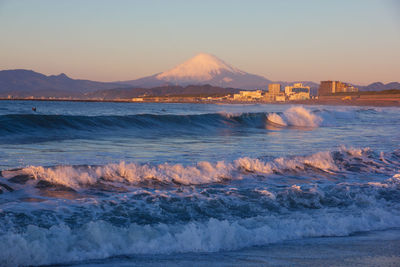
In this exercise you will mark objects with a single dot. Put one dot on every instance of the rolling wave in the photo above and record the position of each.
(68, 125)
(129, 208)
(99, 240)
(345, 161)
(32, 124)
(19, 123)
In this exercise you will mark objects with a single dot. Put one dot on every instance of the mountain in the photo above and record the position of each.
(24, 83)
(378, 86)
(203, 69)
(174, 90)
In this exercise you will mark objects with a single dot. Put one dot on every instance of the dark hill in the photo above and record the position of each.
(24, 83)
(378, 86)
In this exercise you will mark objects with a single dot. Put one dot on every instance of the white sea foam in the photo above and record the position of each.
(299, 116)
(357, 152)
(202, 173)
(275, 118)
(296, 116)
(266, 193)
(128, 173)
(97, 240)
(305, 210)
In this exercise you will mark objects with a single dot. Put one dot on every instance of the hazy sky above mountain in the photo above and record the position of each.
(356, 41)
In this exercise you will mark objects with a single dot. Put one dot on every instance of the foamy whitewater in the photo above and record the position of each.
(122, 183)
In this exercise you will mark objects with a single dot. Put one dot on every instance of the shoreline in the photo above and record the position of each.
(311, 102)
(374, 248)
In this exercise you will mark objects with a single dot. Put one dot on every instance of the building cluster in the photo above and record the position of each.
(296, 91)
(275, 93)
(332, 87)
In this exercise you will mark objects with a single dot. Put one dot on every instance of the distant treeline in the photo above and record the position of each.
(384, 92)
(164, 91)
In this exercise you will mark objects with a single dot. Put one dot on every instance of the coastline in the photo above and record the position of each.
(357, 102)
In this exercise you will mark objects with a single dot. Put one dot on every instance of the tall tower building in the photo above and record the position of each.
(331, 87)
(274, 88)
(327, 87)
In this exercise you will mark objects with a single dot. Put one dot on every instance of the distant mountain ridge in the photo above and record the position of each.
(25, 83)
(203, 69)
(378, 86)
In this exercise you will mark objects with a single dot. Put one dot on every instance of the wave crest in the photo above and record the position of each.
(343, 160)
(99, 240)
(296, 116)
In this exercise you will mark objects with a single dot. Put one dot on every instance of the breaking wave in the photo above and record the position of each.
(32, 124)
(31, 128)
(19, 123)
(99, 240)
(130, 208)
(296, 116)
(343, 160)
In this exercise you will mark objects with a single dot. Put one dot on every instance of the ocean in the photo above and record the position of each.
(148, 184)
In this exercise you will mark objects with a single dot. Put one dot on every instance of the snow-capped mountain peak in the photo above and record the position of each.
(202, 67)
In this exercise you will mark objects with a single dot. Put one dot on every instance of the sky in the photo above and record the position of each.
(355, 41)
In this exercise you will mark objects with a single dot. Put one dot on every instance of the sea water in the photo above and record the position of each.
(90, 183)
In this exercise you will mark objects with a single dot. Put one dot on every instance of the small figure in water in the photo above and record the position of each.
(34, 108)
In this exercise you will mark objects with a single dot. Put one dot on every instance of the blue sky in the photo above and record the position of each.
(356, 40)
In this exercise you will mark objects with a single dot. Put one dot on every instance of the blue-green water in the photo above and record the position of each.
(89, 181)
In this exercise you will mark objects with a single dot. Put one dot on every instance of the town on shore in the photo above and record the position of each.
(328, 93)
